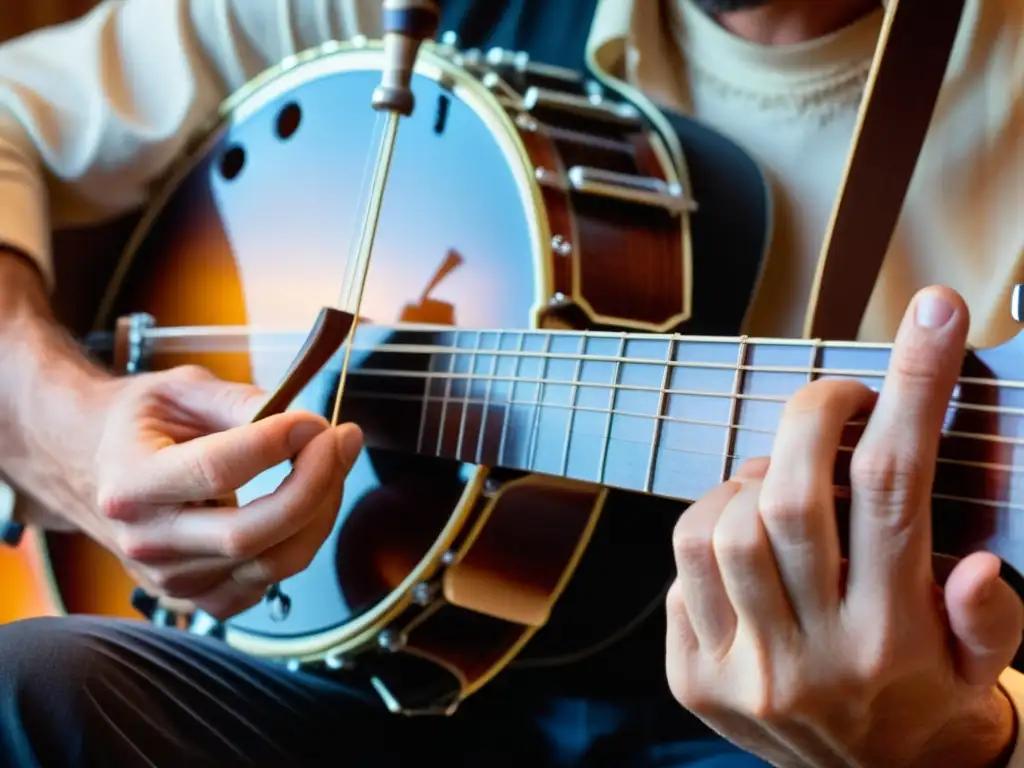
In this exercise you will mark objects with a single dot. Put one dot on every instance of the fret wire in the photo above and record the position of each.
(815, 359)
(465, 397)
(510, 410)
(959, 404)
(169, 339)
(426, 403)
(444, 403)
(738, 381)
(739, 427)
(658, 421)
(487, 401)
(611, 411)
(780, 369)
(572, 402)
(531, 448)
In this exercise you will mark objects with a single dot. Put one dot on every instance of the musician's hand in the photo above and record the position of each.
(771, 646)
(173, 441)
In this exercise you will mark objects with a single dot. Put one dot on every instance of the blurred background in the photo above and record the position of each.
(19, 18)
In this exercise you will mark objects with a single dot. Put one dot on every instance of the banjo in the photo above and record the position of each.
(529, 339)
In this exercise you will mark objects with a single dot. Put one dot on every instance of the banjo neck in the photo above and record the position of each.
(669, 415)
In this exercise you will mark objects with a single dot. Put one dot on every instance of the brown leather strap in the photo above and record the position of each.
(899, 99)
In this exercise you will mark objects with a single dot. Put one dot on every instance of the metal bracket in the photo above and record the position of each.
(130, 342)
(442, 707)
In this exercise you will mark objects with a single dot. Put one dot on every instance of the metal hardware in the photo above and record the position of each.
(450, 40)
(549, 178)
(561, 246)
(336, 661)
(1017, 303)
(520, 62)
(629, 188)
(130, 341)
(506, 94)
(151, 608)
(206, 625)
(594, 90)
(423, 594)
(11, 531)
(645, 190)
(558, 299)
(443, 707)
(293, 665)
(391, 640)
(596, 108)
(526, 122)
(449, 557)
(279, 605)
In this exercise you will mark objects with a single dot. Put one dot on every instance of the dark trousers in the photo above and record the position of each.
(95, 692)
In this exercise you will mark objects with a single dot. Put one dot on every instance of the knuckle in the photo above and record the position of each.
(780, 705)
(691, 696)
(690, 543)
(133, 547)
(114, 504)
(791, 516)
(238, 544)
(736, 545)
(755, 467)
(209, 472)
(885, 473)
(161, 579)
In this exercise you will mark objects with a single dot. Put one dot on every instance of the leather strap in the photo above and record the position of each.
(899, 99)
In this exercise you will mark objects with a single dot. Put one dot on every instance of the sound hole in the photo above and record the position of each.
(232, 163)
(288, 121)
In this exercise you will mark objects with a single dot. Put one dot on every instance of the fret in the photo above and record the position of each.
(659, 416)
(815, 361)
(509, 407)
(487, 398)
(426, 404)
(466, 395)
(572, 402)
(443, 419)
(606, 440)
(531, 448)
(737, 390)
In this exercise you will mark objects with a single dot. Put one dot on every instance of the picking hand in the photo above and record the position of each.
(173, 441)
(767, 642)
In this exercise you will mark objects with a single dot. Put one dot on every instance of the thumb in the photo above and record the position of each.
(217, 403)
(985, 616)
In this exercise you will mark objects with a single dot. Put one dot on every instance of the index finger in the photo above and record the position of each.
(218, 464)
(893, 466)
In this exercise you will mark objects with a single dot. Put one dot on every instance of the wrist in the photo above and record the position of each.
(982, 737)
(48, 390)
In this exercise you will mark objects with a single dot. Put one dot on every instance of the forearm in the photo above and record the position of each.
(47, 384)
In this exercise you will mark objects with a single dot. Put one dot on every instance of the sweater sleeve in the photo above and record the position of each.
(94, 110)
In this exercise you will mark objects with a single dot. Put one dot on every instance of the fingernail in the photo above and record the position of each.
(302, 433)
(351, 445)
(933, 311)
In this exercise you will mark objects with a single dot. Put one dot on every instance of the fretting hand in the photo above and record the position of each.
(165, 445)
(781, 648)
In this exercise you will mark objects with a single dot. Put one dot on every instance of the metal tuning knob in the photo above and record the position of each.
(1017, 303)
(407, 23)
